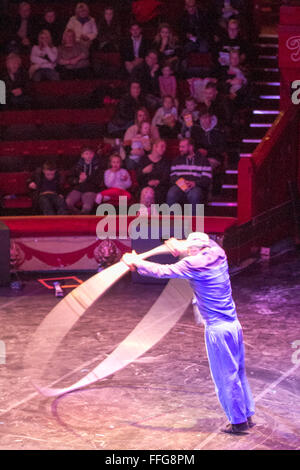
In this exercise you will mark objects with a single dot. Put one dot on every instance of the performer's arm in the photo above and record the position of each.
(185, 269)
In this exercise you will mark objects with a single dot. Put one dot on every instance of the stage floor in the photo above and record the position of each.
(166, 399)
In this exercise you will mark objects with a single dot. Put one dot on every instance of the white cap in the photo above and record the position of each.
(198, 239)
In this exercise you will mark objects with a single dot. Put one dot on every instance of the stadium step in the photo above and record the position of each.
(266, 110)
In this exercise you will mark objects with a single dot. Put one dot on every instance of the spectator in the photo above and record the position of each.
(236, 79)
(52, 24)
(226, 9)
(147, 74)
(126, 110)
(166, 119)
(189, 117)
(22, 30)
(47, 184)
(86, 179)
(43, 59)
(109, 29)
(147, 201)
(209, 139)
(197, 28)
(16, 80)
(117, 180)
(232, 40)
(154, 171)
(73, 58)
(191, 177)
(134, 49)
(167, 82)
(217, 104)
(141, 144)
(83, 25)
(166, 44)
(141, 115)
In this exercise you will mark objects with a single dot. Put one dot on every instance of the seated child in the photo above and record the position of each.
(85, 181)
(188, 117)
(166, 119)
(47, 184)
(117, 180)
(140, 144)
(167, 82)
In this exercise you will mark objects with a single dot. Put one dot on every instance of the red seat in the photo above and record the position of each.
(14, 190)
(198, 59)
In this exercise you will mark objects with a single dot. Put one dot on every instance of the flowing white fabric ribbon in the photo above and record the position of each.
(158, 321)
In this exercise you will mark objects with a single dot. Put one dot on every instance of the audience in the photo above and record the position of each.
(209, 139)
(159, 103)
(73, 58)
(22, 30)
(189, 117)
(109, 31)
(117, 180)
(86, 180)
(140, 145)
(126, 110)
(166, 119)
(232, 39)
(53, 24)
(167, 82)
(43, 58)
(16, 80)
(134, 49)
(166, 44)
(197, 28)
(191, 177)
(147, 73)
(141, 115)
(83, 25)
(47, 186)
(153, 172)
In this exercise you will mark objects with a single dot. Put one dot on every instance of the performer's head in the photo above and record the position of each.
(195, 242)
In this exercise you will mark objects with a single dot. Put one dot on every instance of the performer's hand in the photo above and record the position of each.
(132, 260)
(175, 246)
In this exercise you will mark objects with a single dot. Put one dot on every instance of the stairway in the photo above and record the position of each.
(266, 90)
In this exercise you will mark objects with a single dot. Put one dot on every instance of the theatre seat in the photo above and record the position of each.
(14, 190)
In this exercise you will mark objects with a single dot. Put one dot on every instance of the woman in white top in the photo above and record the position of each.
(83, 25)
(43, 58)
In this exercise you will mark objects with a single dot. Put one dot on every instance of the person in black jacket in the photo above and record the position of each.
(21, 30)
(87, 181)
(209, 139)
(211, 143)
(147, 74)
(198, 27)
(126, 110)
(47, 184)
(17, 83)
(134, 49)
(154, 171)
(191, 177)
(54, 25)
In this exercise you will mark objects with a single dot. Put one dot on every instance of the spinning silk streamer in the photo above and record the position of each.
(158, 321)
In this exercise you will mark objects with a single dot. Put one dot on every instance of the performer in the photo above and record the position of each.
(204, 264)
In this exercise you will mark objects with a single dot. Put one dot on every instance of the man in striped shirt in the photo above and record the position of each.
(191, 177)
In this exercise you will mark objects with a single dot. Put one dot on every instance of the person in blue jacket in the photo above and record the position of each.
(204, 264)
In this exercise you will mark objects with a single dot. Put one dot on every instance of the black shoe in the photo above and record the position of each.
(240, 428)
(251, 423)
